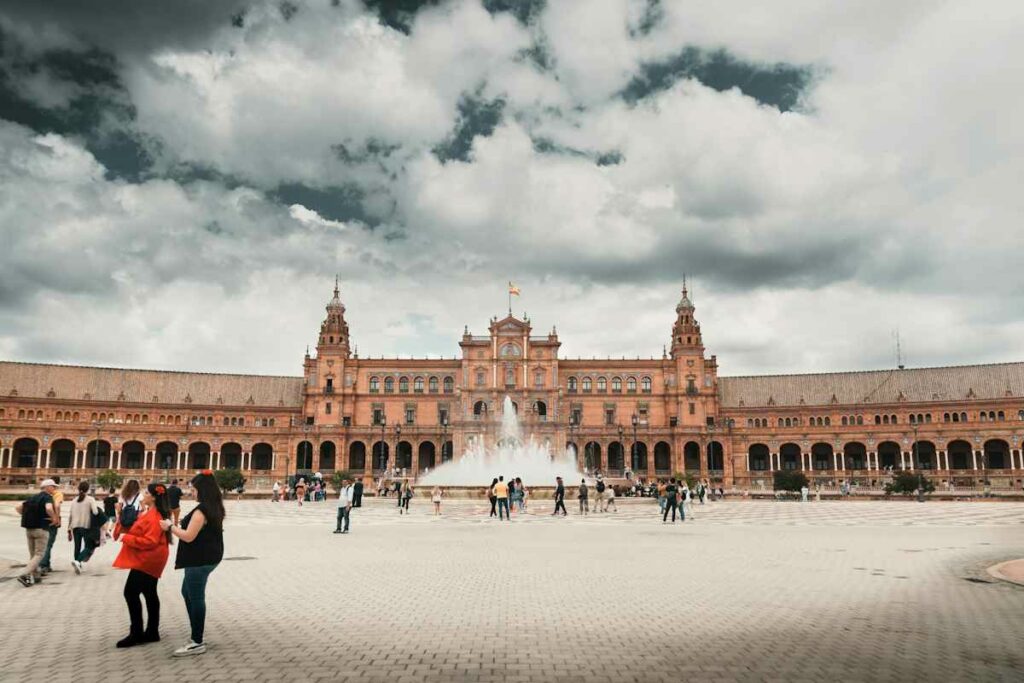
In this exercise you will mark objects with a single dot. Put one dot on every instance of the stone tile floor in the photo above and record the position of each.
(742, 591)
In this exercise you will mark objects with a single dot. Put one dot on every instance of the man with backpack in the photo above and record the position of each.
(38, 514)
(600, 488)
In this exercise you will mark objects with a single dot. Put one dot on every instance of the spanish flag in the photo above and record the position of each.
(512, 289)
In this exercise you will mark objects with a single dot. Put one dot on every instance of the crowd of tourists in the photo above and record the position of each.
(145, 521)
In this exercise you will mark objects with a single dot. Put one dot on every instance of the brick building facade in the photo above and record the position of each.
(653, 417)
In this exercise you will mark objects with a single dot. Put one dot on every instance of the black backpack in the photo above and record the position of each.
(600, 487)
(33, 512)
(129, 513)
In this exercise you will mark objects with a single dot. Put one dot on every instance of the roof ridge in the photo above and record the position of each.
(881, 370)
(167, 372)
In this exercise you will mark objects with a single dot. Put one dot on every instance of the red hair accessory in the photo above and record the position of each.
(208, 473)
(160, 490)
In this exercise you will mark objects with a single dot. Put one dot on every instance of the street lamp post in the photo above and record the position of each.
(621, 432)
(632, 451)
(383, 458)
(444, 436)
(398, 436)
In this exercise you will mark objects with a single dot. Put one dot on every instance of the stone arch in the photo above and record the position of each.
(691, 457)
(166, 455)
(996, 454)
(592, 456)
(924, 455)
(133, 455)
(758, 458)
(638, 457)
(381, 455)
(357, 455)
(262, 456)
(855, 455)
(231, 456)
(616, 457)
(822, 456)
(960, 455)
(26, 452)
(889, 455)
(198, 456)
(97, 455)
(304, 457)
(716, 456)
(403, 455)
(479, 408)
(662, 457)
(62, 454)
(789, 456)
(447, 451)
(427, 455)
(328, 455)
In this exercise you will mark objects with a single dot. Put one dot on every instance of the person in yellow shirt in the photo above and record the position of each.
(501, 493)
(44, 564)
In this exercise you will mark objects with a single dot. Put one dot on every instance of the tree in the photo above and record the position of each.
(689, 478)
(908, 483)
(229, 479)
(108, 479)
(338, 477)
(790, 480)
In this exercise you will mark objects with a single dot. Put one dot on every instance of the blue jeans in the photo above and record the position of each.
(503, 505)
(193, 589)
(45, 562)
(682, 511)
(83, 548)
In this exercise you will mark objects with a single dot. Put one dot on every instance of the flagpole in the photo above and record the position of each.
(510, 300)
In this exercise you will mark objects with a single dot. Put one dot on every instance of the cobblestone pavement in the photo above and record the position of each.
(742, 591)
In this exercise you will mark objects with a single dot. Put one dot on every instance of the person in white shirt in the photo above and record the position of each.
(277, 492)
(344, 506)
(609, 498)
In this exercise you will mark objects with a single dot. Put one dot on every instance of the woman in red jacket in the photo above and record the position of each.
(144, 552)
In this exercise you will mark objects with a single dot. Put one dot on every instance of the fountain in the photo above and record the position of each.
(511, 456)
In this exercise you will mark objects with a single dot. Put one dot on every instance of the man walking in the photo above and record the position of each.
(599, 487)
(44, 564)
(344, 507)
(37, 516)
(174, 500)
(670, 501)
(357, 494)
(584, 506)
(501, 493)
(559, 497)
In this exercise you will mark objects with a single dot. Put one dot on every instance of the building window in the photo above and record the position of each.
(432, 385)
(374, 385)
(572, 384)
(577, 415)
(480, 378)
(329, 389)
(602, 384)
(538, 379)
(327, 408)
(693, 409)
(586, 385)
(417, 385)
(616, 384)
(309, 420)
(609, 415)
(346, 421)
(378, 416)
(674, 421)
(449, 385)
(510, 377)
(442, 415)
(631, 384)
(403, 385)
(645, 385)
(389, 385)
(410, 416)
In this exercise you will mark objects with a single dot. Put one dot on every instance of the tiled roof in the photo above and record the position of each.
(37, 380)
(876, 386)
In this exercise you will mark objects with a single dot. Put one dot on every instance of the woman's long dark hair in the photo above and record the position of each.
(83, 489)
(208, 493)
(130, 490)
(161, 503)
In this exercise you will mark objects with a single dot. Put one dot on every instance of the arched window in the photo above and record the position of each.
(913, 419)
(1001, 415)
(417, 385)
(885, 419)
(927, 417)
(828, 421)
(616, 384)
(602, 384)
(449, 385)
(374, 385)
(389, 385)
(945, 416)
(631, 384)
(963, 417)
(982, 416)
(432, 385)
(645, 385)
(956, 417)
(479, 408)
(750, 423)
(893, 419)
(538, 379)
(781, 422)
(844, 421)
(509, 351)
(403, 385)
(586, 384)
(572, 384)
(878, 419)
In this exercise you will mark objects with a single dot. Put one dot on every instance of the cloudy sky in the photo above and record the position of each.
(180, 182)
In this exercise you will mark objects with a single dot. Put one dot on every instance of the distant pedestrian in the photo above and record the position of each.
(435, 497)
(275, 492)
(559, 497)
(701, 491)
(516, 494)
(144, 554)
(130, 506)
(670, 501)
(599, 489)
(407, 494)
(84, 512)
(501, 493)
(344, 507)
(493, 498)
(200, 552)
(398, 490)
(803, 493)
(609, 498)
(687, 499)
(583, 498)
(661, 494)
(110, 510)
(174, 500)
(525, 494)
(37, 516)
(58, 499)
(300, 490)
(357, 494)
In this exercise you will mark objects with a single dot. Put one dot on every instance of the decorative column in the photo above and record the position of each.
(943, 458)
(47, 465)
(835, 461)
(216, 461)
(974, 457)
(804, 459)
(117, 460)
(247, 460)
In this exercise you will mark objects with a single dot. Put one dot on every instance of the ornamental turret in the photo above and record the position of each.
(686, 339)
(333, 339)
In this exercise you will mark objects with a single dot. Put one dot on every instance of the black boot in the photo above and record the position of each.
(131, 640)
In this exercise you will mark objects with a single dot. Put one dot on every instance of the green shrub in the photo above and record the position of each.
(338, 477)
(907, 483)
(229, 479)
(109, 479)
(689, 478)
(790, 480)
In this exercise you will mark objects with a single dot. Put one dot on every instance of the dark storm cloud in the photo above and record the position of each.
(98, 109)
(399, 14)
(477, 116)
(544, 145)
(653, 15)
(778, 85)
(526, 11)
(346, 203)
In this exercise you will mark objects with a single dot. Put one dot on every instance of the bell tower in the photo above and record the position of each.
(686, 339)
(333, 340)
(325, 372)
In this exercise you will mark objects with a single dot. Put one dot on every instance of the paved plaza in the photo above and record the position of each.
(742, 591)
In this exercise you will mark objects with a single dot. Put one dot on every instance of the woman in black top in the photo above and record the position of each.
(200, 551)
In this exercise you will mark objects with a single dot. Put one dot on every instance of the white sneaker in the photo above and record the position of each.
(190, 649)
(77, 566)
